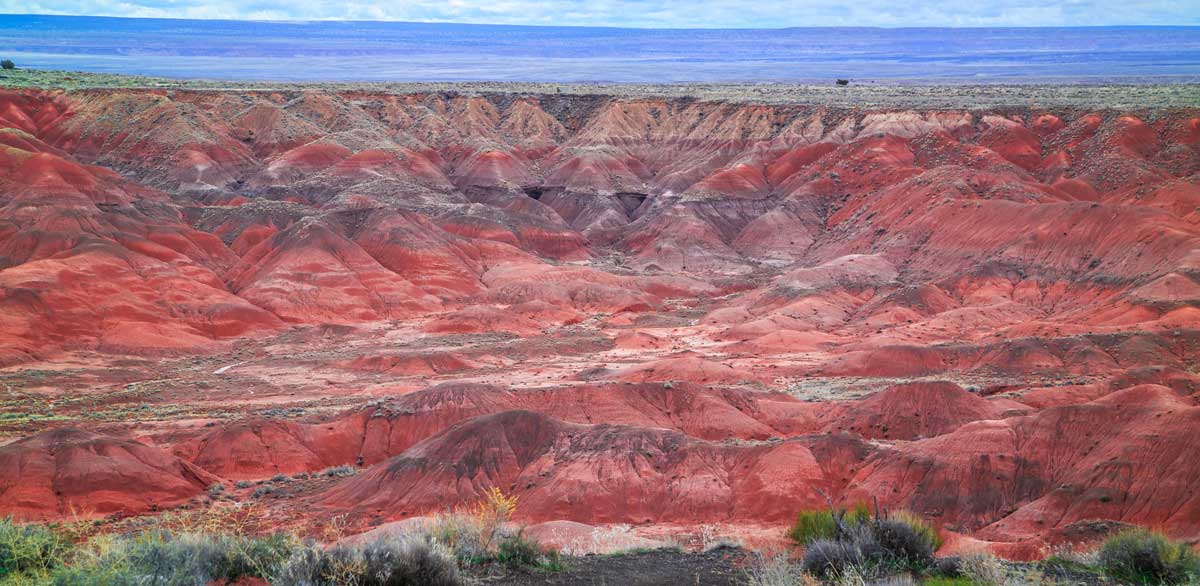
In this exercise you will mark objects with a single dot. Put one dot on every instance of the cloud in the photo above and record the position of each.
(652, 13)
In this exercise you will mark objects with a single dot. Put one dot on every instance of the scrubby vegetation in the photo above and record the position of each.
(972, 569)
(343, 471)
(858, 547)
(481, 535)
(518, 553)
(864, 547)
(875, 545)
(161, 558)
(1139, 556)
(389, 561)
(821, 523)
(37, 554)
(773, 570)
(223, 546)
(29, 550)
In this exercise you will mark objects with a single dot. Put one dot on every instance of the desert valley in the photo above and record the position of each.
(666, 318)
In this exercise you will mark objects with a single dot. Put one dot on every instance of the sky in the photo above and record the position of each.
(652, 13)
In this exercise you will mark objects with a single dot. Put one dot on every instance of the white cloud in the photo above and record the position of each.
(652, 13)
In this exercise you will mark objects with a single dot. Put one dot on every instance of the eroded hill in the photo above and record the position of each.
(625, 310)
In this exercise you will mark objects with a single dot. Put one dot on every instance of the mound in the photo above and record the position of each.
(554, 467)
(415, 363)
(66, 472)
(309, 273)
(1121, 457)
(256, 449)
(856, 271)
(685, 369)
(113, 300)
(913, 411)
(484, 319)
(261, 448)
(634, 340)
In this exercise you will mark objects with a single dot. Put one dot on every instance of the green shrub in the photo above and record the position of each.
(1139, 556)
(407, 561)
(1064, 564)
(819, 524)
(158, 558)
(907, 544)
(926, 532)
(812, 525)
(343, 471)
(773, 570)
(948, 567)
(8, 64)
(872, 547)
(983, 569)
(855, 551)
(518, 553)
(949, 581)
(463, 534)
(30, 549)
(199, 559)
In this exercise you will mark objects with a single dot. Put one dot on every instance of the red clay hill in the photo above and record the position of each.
(659, 312)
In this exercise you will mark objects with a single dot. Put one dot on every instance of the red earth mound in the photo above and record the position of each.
(600, 473)
(261, 448)
(915, 410)
(68, 472)
(1122, 457)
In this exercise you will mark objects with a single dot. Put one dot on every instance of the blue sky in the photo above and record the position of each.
(654, 13)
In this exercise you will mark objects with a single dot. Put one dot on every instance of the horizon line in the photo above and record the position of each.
(612, 27)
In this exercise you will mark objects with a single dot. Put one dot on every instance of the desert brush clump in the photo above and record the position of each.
(821, 523)
(840, 541)
(853, 549)
(481, 534)
(344, 471)
(160, 558)
(981, 569)
(29, 550)
(492, 512)
(408, 560)
(226, 543)
(431, 553)
(1141, 556)
(518, 553)
(978, 568)
(775, 569)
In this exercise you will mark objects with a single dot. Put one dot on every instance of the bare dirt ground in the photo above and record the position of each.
(1123, 93)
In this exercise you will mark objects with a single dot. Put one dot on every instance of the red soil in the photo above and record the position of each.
(1122, 457)
(68, 472)
(642, 311)
(622, 474)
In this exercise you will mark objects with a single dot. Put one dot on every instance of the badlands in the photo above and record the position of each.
(660, 311)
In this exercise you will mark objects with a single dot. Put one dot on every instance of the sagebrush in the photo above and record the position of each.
(1141, 556)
